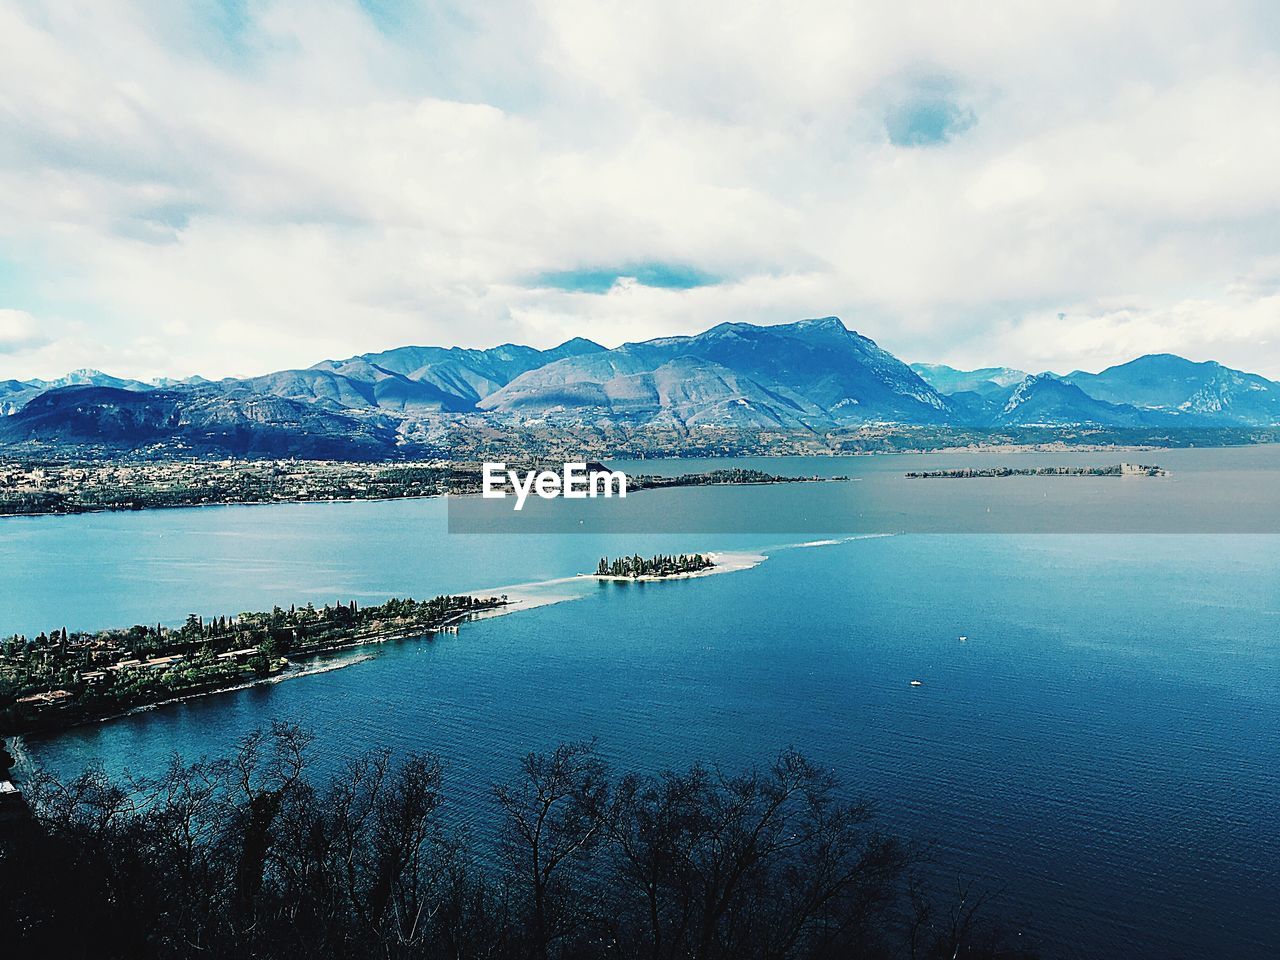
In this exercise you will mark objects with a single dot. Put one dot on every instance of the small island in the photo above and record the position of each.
(61, 679)
(1114, 470)
(735, 476)
(653, 568)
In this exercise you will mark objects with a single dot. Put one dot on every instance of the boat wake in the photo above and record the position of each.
(541, 593)
(319, 668)
(832, 542)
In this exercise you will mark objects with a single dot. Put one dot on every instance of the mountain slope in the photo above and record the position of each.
(684, 391)
(14, 394)
(985, 381)
(1046, 400)
(87, 377)
(200, 421)
(1207, 392)
(360, 386)
(466, 376)
(813, 372)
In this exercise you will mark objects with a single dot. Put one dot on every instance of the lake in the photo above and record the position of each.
(1103, 744)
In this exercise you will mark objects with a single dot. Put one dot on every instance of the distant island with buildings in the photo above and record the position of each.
(1114, 470)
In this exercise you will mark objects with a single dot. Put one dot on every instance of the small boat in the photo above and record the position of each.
(963, 639)
(917, 683)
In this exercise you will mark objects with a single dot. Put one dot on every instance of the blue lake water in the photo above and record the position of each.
(1104, 745)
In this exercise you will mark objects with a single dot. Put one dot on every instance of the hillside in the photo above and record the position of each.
(814, 373)
(192, 422)
(1205, 391)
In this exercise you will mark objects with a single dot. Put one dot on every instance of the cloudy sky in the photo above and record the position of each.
(235, 187)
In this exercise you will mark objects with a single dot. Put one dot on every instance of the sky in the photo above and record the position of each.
(234, 187)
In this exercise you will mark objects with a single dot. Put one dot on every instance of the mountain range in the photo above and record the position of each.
(809, 377)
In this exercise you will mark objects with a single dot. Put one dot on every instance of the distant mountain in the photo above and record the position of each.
(465, 375)
(195, 421)
(91, 378)
(984, 381)
(812, 373)
(167, 382)
(1168, 388)
(685, 391)
(14, 394)
(1047, 400)
(1206, 392)
(811, 377)
(361, 386)
(1005, 397)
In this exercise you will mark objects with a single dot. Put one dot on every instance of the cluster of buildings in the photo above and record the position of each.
(52, 699)
(72, 488)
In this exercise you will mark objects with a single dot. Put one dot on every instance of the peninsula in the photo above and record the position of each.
(64, 678)
(61, 679)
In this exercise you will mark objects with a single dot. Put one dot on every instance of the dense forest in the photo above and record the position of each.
(252, 857)
(662, 565)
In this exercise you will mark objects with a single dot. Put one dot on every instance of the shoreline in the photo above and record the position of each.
(417, 496)
(954, 450)
(220, 503)
(520, 597)
(284, 674)
(450, 624)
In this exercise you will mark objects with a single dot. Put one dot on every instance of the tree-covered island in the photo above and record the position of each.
(60, 679)
(662, 565)
(733, 476)
(1113, 470)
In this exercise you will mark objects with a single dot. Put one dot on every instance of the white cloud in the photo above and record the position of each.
(1239, 331)
(19, 332)
(321, 187)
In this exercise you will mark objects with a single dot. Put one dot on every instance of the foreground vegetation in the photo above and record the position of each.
(58, 679)
(253, 857)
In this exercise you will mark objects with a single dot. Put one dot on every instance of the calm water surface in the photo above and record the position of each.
(1105, 744)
